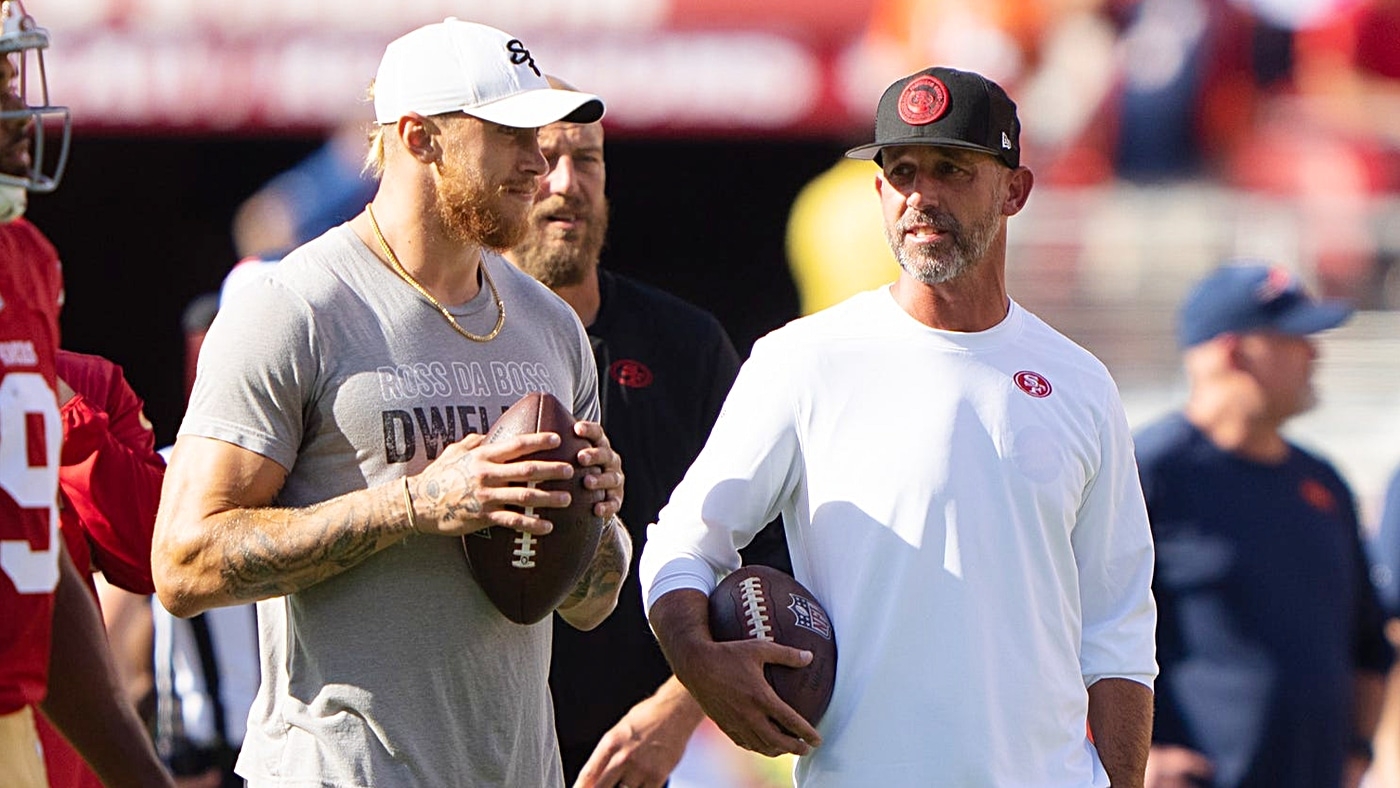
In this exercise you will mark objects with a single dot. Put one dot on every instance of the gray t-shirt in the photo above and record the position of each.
(398, 671)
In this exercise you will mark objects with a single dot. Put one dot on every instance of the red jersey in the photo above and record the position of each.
(110, 474)
(110, 479)
(31, 292)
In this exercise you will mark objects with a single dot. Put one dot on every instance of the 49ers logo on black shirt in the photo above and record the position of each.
(1033, 383)
(630, 373)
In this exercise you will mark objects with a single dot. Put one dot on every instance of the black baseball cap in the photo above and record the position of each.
(946, 107)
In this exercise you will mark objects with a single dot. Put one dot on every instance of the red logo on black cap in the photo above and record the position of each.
(923, 101)
(1033, 383)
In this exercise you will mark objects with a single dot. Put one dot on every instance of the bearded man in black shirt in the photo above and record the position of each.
(664, 369)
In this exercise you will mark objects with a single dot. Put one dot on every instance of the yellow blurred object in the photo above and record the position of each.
(836, 243)
(775, 772)
(713, 761)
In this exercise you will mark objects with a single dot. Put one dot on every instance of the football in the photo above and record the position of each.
(762, 603)
(527, 576)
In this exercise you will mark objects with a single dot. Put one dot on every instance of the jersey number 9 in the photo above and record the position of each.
(31, 434)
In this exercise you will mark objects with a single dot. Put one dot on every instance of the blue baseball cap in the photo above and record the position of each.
(1242, 296)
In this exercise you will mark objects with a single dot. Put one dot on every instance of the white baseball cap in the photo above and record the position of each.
(456, 66)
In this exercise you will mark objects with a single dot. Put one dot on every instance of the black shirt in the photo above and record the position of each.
(664, 369)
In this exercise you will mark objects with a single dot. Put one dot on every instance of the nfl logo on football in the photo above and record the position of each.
(809, 616)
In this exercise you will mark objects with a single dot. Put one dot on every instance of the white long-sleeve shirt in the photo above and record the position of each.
(965, 506)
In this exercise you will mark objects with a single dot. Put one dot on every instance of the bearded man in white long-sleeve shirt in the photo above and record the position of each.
(958, 487)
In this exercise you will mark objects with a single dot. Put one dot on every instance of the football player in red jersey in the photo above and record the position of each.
(65, 671)
(109, 484)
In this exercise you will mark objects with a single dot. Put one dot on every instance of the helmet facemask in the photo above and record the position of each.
(26, 116)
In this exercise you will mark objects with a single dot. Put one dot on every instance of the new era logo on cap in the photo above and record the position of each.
(456, 66)
(946, 107)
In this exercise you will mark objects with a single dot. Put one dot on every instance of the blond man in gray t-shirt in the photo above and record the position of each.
(332, 449)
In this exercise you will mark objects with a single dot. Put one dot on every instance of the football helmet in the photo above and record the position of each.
(25, 111)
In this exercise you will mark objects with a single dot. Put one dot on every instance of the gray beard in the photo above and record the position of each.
(942, 262)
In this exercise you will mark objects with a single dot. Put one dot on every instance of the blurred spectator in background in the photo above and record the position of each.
(206, 676)
(1188, 74)
(1384, 549)
(1326, 133)
(127, 618)
(1270, 637)
(1294, 100)
(1000, 38)
(194, 322)
(326, 188)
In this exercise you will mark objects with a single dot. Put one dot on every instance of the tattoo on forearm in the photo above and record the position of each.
(607, 571)
(307, 546)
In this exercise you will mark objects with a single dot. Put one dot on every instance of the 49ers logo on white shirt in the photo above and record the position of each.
(1033, 383)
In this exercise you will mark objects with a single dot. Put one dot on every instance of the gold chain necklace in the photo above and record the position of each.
(452, 321)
